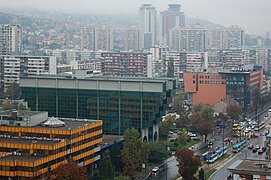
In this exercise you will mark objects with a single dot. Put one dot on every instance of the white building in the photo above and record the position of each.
(10, 39)
(147, 26)
(17, 66)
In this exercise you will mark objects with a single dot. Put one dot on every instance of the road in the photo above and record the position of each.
(222, 173)
(245, 153)
(169, 168)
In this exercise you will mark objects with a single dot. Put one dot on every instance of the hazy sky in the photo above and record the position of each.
(252, 15)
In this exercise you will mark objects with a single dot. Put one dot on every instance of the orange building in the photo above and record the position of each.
(30, 151)
(206, 88)
(211, 88)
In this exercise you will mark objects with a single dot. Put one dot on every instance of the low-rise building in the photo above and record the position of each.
(250, 169)
(32, 144)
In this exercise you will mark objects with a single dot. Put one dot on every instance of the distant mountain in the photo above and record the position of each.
(205, 23)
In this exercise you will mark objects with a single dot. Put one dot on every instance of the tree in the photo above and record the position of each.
(116, 157)
(182, 138)
(177, 104)
(134, 152)
(157, 152)
(13, 91)
(7, 105)
(69, 171)
(170, 67)
(105, 167)
(234, 111)
(165, 127)
(121, 177)
(202, 119)
(188, 163)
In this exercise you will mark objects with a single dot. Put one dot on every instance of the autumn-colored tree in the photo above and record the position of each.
(69, 171)
(134, 152)
(188, 163)
(202, 119)
(234, 111)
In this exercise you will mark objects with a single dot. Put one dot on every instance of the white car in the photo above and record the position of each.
(155, 170)
(191, 134)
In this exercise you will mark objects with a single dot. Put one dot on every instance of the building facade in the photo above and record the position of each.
(14, 67)
(125, 64)
(147, 26)
(211, 88)
(120, 102)
(31, 143)
(170, 18)
(10, 39)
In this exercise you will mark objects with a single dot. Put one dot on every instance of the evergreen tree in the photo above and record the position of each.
(134, 152)
(106, 169)
(116, 157)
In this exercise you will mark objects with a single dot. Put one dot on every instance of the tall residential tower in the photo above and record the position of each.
(147, 26)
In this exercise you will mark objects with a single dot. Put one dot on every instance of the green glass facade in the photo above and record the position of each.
(119, 110)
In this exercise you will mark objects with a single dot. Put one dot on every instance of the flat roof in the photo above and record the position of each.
(110, 139)
(102, 78)
(251, 166)
(70, 123)
(24, 140)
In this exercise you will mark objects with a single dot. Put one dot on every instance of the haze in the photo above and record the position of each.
(251, 15)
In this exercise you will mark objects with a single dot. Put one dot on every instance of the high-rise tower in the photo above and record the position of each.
(147, 26)
(10, 39)
(170, 18)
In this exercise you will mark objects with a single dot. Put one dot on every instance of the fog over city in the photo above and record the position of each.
(251, 15)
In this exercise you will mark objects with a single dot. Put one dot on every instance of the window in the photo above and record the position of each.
(194, 81)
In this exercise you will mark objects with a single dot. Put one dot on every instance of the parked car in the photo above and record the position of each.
(258, 147)
(190, 134)
(250, 146)
(254, 150)
(260, 151)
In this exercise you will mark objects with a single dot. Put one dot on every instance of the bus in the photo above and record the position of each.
(238, 146)
(211, 157)
(257, 127)
(221, 151)
(235, 127)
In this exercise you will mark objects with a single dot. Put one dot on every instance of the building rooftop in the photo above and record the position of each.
(70, 123)
(102, 78)
(109, 140)
(249, 166)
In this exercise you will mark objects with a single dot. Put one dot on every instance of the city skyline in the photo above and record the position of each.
(215, 11)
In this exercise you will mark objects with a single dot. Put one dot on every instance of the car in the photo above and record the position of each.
(260, 151)
(155, 170)
(250, 146)
(266, 115)
(254, 150)
(258, 147)
(227, 139)
(264, 148)
(235, 135)
(191, 134)
(254, 135)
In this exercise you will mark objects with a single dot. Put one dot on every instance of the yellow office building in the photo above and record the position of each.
(31, 143)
